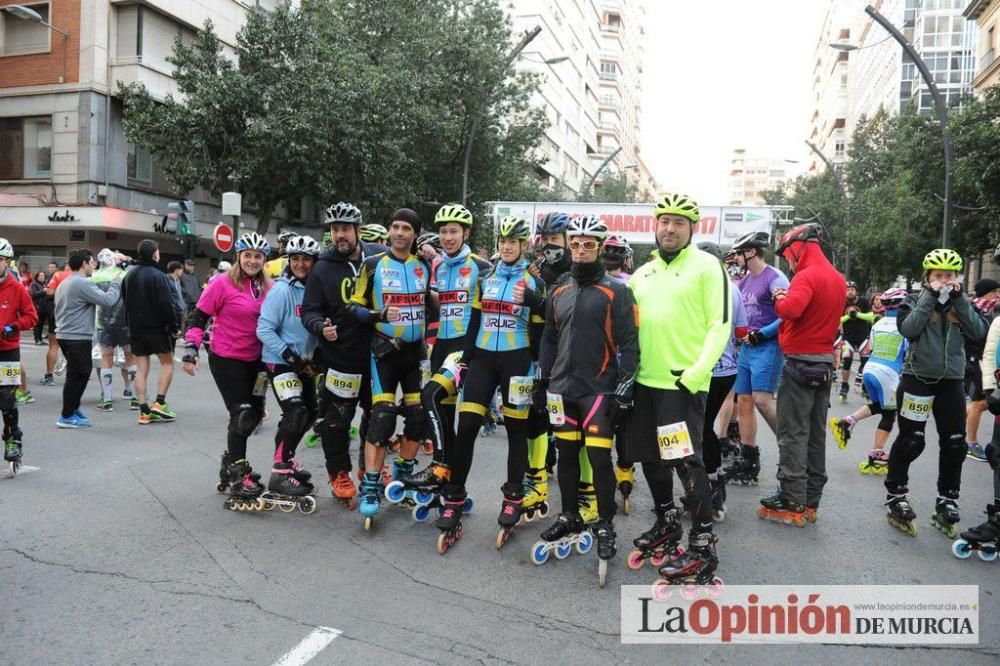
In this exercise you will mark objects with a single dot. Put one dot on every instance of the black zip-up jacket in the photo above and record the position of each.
(328, 294)
(150, 307)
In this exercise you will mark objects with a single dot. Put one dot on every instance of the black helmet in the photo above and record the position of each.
(755, 240)
(711, 248)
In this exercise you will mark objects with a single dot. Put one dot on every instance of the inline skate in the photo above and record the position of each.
(718, 497)
(568, 532)
(985, 538)
(343, 489)
(946, 516)
(746, 468)
(812, 510)
(510, 512)
(604, 532)
(625, 479)
(841, 430)
(244, 488)
(780, 509)
(536, 495)
(587, 503)
(225, 480)
(285, 491)
(877, 463)
(450, 523)
(12, 450)
(371, 498)
(901, 515)
(729, 450)
(842, 396)
(691, 569)
(659, 542)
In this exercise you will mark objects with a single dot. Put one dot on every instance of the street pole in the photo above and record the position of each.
(593, 179)
(474, 126)
(942, 113)
(847, 204)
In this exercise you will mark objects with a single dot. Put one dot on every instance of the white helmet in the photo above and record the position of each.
(106, 257)
(253, 241)
(224, 266)
(6, 249)
(587, 225)
(302, 245)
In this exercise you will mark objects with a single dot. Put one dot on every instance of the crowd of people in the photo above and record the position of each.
(596, 368)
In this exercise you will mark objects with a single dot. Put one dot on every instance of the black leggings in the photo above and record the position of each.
(8, 398)
(78, 367)
(487, 372)
(237, 381)
(338, 414)
(297, 412)
(587, 425)
(717, 392)
(441, 388)
(948, 410)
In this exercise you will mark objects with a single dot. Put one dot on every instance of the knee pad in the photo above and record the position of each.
(243, 420)
(297, 416)
(338, 416)
(415, 426)
(846, 362)
(993, 456)
(913, 444)
(888, 418)
(382, 422)
(8, 398)
(956, 445)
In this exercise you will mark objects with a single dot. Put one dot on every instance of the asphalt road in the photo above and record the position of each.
(117, 550)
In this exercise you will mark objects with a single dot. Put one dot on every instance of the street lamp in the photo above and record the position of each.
(939, 106)
(545, 61)
(474, 126)
(28, 14)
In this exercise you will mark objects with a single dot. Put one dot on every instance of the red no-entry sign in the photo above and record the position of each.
(223, 236)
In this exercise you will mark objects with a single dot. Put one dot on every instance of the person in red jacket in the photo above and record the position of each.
(810, 312)
(17, 313)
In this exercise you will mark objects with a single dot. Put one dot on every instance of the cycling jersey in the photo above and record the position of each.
(758, 300)
(387, 281)
(503, 324)
(888, 346)
(454, 280)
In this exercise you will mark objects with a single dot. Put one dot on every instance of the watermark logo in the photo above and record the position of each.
(832, 614)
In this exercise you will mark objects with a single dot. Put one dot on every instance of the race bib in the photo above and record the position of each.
(554, 403)
(674, 441)
(916, 407)
(10, 373)
(425, 372)
(450, 364)
(343, 385)
(260, 386)
(520, 390)
(287, 385)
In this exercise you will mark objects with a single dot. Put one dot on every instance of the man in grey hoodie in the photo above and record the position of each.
(76, 300)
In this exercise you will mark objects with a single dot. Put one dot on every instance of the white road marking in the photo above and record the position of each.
(310, 646)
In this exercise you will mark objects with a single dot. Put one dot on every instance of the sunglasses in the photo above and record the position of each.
(586, 245)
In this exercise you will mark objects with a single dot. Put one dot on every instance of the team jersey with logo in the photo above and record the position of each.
(504, 324)
(454, 279)
(386, 281)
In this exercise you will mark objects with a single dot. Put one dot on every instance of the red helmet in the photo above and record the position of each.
(806, 233)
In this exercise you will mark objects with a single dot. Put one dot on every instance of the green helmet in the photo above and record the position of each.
(374, 233)
(453, 213)
(943, 259)
(677, 204)
(514, 227)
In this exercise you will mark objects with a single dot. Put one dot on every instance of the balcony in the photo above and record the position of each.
(609, 76)
(611, 27)
(986, 60)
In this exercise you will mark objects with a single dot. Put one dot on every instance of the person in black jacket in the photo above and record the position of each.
(344, 342)
(153, 325)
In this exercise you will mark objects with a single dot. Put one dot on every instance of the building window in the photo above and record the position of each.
(609, 70)
(838, 149)
(25, 148)
(19, 36)
(140, 164)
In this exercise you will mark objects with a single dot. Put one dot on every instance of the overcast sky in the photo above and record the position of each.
(725, 74)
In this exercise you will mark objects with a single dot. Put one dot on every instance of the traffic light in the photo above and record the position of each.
(185, 217)
(173, 215)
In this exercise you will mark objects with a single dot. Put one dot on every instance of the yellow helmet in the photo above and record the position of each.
(943, 259)
(677, 204)
(453, 213)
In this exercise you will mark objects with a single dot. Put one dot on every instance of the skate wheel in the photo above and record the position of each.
(395, 492)
(421, 513)
(307, 505)
(657, 560)
(602, 573)
(635, 560)
(798, 521)
(286, 507)
(13, 468)
(502, 537)
(689, 591)
(661, 590)
(422, 497)
(266, 506)
(539, 553)
(762, 512)
(528, 516)
(543, 510)
(988, 555)
(368, 523)
(719, 516)
(351, 504)
(443, 543)
(626, 507)
(883, 469)
(467, 507)
(715, 588)
(563, 550)
(961, 549)
(863, 467)
(585, 543)
(221, 487)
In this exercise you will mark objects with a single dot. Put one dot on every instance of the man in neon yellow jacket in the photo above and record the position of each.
(685, 309)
